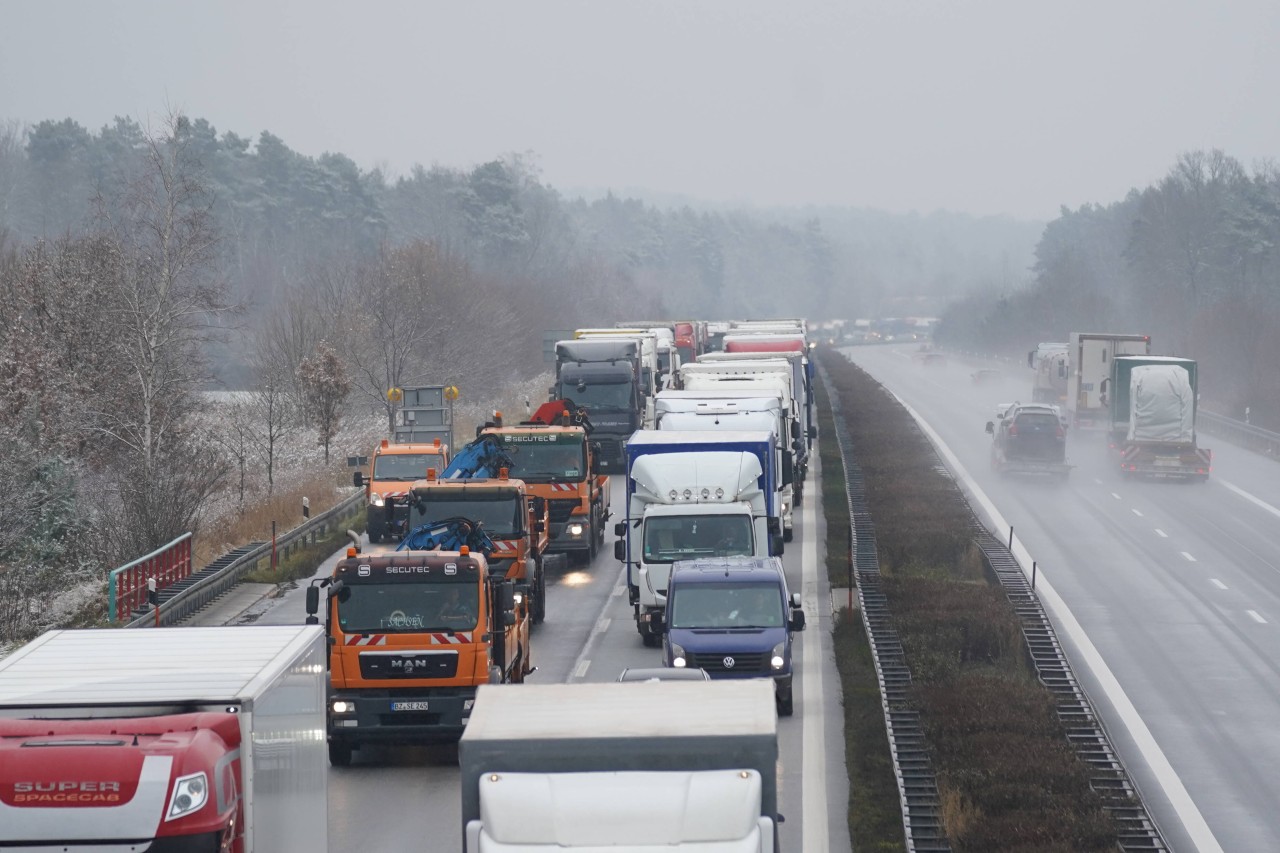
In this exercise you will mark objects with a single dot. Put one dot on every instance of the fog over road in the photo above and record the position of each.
(1177, 586)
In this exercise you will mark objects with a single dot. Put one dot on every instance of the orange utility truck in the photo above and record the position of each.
(394, 470)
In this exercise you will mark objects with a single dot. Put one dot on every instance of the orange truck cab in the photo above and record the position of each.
(514, 519)
(386, 487)
(412, 634)
(557, 463)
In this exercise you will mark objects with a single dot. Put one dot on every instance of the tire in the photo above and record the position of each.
(650, 639)
(786, 704)
(340, 753)
(788, 533)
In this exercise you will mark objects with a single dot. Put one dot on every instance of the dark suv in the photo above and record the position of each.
(1029, 438)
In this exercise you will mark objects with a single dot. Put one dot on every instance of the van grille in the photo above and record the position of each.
(744, 663)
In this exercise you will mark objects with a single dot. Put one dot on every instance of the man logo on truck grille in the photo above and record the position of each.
(729, 662)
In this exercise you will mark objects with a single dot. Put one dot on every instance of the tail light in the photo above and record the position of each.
(1013, 429)
(1060, 433)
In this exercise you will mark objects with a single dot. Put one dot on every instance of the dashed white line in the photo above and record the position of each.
(1138, 513)
(1188, 557)
(1219, 584)
(1201, 836)
(1161, 533)
(602, 626)
(1257, 617)
(1114, 495)
(580, 670)
(617, 591)
(1251, 499)
(1096, 480)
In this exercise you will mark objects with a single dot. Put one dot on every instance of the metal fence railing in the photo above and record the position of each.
(127, 585)
(205, 586)
(1240, 433)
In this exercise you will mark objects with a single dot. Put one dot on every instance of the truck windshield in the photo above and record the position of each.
(392, 608)
(671, 538)
(405, 466)
(594, 396)
(499, 512)
(546, 457)
(726, 605)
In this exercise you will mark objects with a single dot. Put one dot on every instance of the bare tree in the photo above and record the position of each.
(325, 385)
(273, 414)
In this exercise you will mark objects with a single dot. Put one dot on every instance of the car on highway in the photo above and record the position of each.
(1029, 438)
(986, 376)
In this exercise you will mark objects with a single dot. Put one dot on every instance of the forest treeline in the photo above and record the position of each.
(142, 266)
(1193, 260)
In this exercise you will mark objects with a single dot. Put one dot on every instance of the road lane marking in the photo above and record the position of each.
(1165, 776)
(815, 835)
(617, 591)
(1256, 617)
(1114, 495)
(1138, 513)
(1188, 557)
(602, 626)
(1161, 533)
(1256, 501)
(583, 661)
(1219, 584)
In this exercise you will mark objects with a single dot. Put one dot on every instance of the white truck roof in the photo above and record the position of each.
(650, 437)
(150, 665)
(734, 474)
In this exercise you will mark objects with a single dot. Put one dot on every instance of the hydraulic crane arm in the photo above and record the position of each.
(448, 534)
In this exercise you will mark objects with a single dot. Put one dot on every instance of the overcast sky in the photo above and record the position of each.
(983, 107)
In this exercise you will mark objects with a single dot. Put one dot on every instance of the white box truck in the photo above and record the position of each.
(1089, 357)
(168, 739)
(648, 767)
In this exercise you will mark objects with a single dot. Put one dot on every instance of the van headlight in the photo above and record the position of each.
(778, 659)
(375, 499)
(190, 793)
(678, 657)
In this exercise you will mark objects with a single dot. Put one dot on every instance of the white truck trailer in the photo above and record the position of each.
(757, 414)
(1089, 357)
(649, 767)
(165, 739)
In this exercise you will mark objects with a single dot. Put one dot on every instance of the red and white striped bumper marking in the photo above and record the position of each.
(563, 487)
(451, 639)
(367, 640)
(505, 545)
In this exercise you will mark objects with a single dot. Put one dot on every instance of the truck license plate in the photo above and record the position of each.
(408, 706)
(1168, 461)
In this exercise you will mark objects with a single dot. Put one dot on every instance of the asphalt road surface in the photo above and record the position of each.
(1169, 600)
(393, 800)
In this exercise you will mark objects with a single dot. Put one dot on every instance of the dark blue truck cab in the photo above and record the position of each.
(733, 617)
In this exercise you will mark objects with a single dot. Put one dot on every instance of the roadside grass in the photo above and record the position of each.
(1007, 777)
(301, 559)
(874, 813)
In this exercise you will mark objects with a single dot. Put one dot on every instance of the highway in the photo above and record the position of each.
(393, 800)
(1177, 587)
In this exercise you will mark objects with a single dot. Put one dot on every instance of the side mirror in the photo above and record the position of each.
(797, 620)
(357, 479)
(795, 429)
(658, 623)
(539, 526)
(508, 618)
(775, 544)
(313, 604)
(813, 432)
(507, 597)
(991, 428)
(788, 468)
(620, 529)
(551, 392)
(620, 550)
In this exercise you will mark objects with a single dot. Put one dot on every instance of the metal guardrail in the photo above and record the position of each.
(203, 587)
(127, 586)
(1240, 433)
(917, 785)
(912, 766)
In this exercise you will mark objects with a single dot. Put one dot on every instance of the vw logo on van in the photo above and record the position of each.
(729, 662)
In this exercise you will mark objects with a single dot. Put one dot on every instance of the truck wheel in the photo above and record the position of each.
(785, 703)
(788, 533)
(649, 638)
(593, 542)
(340, 753)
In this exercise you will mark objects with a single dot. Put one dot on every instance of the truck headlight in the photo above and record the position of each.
(575, 529)
(778, 659)
(343, 707)
(190, 793)
(518, 598)
(375, 499)
(678, 657)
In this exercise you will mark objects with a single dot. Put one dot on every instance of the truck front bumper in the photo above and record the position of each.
(399, 716)
(571, 535)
